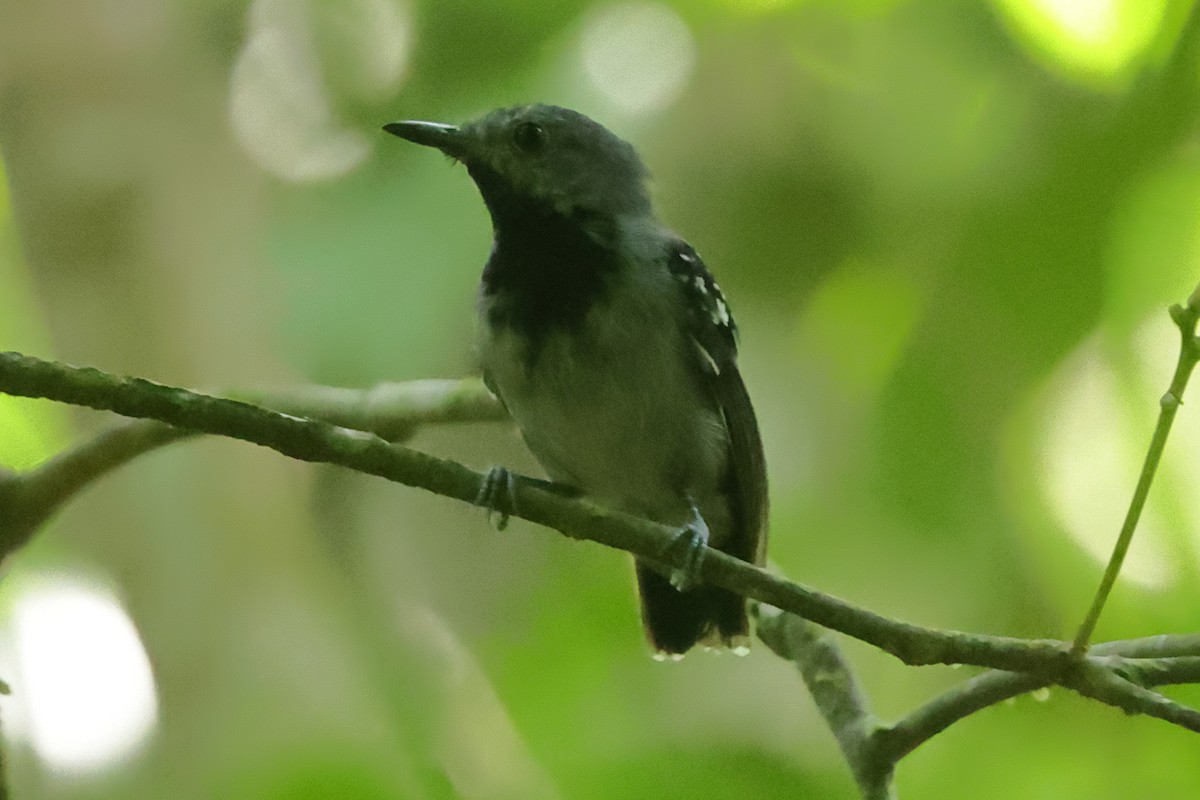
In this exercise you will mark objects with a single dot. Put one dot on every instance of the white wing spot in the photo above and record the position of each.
(722, 314)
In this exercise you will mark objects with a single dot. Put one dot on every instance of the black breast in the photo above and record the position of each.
(547, 268)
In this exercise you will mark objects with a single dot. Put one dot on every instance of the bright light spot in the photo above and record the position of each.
(282, 116)
(82, 685)
(1090, 22)
(639, 55)
(280, 98)
(1093, 448)
(1086, 38)
(848, 7)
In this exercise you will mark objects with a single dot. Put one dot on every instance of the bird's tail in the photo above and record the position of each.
(675, 621)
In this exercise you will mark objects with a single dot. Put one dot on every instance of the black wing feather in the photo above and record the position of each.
(712, 328)
(676, 621)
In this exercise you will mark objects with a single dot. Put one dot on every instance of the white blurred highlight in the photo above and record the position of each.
(1092, 38)
(282, 116)
(1089, 22)
(83, 690)
(639, 55)
(280, 102)
(377, 34)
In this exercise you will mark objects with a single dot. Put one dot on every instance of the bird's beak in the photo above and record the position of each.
(447, 138)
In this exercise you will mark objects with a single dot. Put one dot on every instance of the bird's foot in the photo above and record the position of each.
(498, 496)
(693, 540)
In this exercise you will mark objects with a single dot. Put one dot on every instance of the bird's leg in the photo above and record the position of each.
(693, 539)
(498, 494)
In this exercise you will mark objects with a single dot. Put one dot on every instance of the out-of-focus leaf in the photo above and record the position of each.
(331, 773)
(1094, 41)
(1154, 256)
(30, 430)
(702, 774)
(860, 319)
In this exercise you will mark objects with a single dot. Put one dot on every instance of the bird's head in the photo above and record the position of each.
(541, 156)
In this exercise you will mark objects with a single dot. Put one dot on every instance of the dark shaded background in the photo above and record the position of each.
(948, 230)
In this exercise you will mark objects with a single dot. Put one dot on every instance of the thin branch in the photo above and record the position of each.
(974, 694)
(836, 693)
(312, 440)
(1153, 661)
(1118, 672)
(1185, 318)
(1162, 671)
(1164, 645)
(394, 411)
(1102, 682)
(28, 499)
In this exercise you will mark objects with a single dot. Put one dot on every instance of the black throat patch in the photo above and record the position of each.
(547, 269)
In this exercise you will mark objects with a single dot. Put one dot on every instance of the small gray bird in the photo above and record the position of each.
(613, 349)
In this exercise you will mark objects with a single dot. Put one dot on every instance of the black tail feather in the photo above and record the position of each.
(675, 621)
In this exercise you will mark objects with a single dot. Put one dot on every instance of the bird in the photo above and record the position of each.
(610, 344)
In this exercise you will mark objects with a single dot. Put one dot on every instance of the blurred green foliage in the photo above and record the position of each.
(32, 431)
(949, 232)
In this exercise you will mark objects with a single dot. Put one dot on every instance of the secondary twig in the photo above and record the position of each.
(836, 693)
(1185, 318)
(28, 499)
(391, 410)
(1116, 673)
(976, 693)
(1152, 661)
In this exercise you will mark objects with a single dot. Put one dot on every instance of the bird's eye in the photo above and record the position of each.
(529, 137)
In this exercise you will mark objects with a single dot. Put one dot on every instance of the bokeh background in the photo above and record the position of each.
(949, 232)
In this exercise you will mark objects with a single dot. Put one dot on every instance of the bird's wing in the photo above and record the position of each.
(712, 329)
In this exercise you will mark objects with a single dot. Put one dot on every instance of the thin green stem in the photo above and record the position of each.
(1185, 317)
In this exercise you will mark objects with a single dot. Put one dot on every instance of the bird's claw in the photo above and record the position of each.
(498, 496)
(693, 540)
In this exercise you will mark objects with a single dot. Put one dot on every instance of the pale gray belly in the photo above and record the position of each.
(621, 419)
